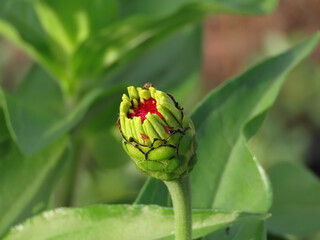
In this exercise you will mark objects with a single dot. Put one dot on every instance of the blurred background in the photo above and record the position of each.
(291, 132)
(231, 44)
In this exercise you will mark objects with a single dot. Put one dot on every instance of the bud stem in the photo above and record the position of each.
(180, 192)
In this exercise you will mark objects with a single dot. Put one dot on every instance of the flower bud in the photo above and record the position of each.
(157, 135)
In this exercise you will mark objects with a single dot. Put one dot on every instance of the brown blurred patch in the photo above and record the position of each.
(229, 41)
(15, 66)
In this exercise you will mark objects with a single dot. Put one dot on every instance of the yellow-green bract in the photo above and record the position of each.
(157, 135)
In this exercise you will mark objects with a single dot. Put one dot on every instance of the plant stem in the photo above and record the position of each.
(180, 192)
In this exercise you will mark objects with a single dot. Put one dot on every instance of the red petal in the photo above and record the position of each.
(149, 106)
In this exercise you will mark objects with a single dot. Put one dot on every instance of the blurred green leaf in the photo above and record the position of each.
(4, 133)
(27, 181)
(32, 110)
(77, 40)
(50, 31)
(121, 222)
(296, 205)
(106, 185)
(128, 39)
(273, 237)
(246, 231)
(166, 64)
(101, 133)
(154, 192)
(275, 142)
(159, 8)
(106, 147)
(20, 24)
(68, 23)
(37, 114)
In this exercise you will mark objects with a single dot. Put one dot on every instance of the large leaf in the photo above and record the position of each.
(223, 120)
(296, 205)
(121, 222)
(37, 114)
(227, 175)
(27, 181)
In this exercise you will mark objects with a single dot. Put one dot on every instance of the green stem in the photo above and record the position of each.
(180, 192)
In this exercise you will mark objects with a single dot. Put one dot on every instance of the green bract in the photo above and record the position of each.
(157, 135)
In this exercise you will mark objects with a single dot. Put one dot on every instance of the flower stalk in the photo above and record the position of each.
(180, 192)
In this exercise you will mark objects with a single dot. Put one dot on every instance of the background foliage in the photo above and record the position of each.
(59, 146)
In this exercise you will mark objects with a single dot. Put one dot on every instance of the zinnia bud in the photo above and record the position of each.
(157, 135)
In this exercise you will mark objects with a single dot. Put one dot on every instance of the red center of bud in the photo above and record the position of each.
(149, 106)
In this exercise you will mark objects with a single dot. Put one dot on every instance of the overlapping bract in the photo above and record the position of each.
(157, 135)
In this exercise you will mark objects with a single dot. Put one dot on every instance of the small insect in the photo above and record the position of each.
(147, 85)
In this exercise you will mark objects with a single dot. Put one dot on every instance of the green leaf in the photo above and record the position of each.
(171, 61)
(50, 31)
(159, 8)
(27, 181)
(129, 38)
(37, 115)
(69, 23)
(102, 134)
(154, 192)
(296, 205)
(226, 169)
(121, 222)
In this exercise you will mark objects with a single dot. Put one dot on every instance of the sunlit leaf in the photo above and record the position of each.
(114, 222)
